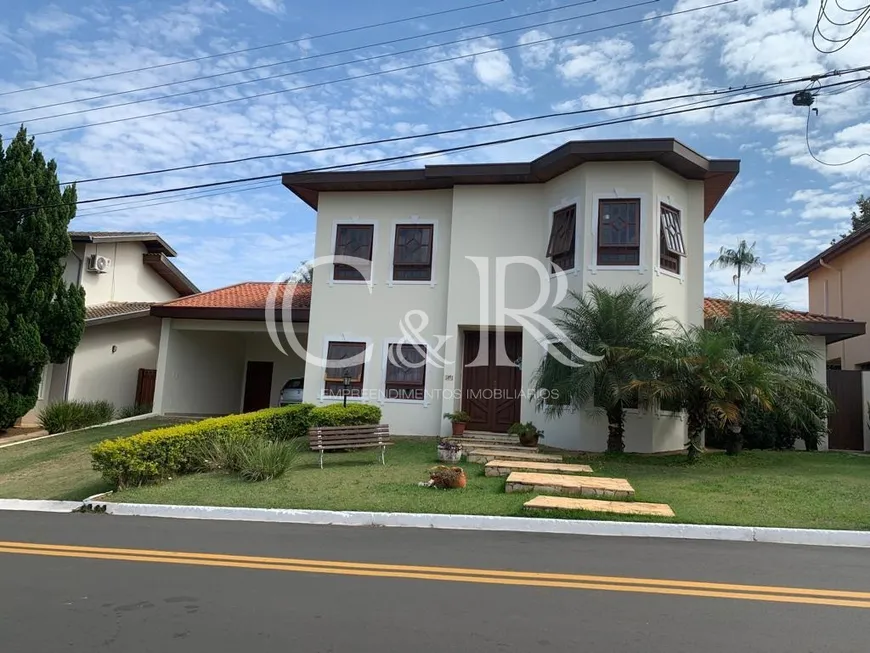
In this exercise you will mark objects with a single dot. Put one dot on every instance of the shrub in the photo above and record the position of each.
(160, 453)
(338, 415)
(222, 452)
(134, 410)
(61, 416)
(263, 460)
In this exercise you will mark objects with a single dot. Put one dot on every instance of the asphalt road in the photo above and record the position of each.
(208, 586)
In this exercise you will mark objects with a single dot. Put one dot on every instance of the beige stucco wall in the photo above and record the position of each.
(847, 296)
(865, 385)
(97, 372)
(489, 222)
(128, 278)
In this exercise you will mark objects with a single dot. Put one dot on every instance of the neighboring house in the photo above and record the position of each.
(123, 274)
(612, 213)
(837, 280)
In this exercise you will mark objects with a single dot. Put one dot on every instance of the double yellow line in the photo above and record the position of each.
(839, 598)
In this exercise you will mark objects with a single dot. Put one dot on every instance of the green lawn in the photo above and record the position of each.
(788, 489)
(760, 488)
(60, 468)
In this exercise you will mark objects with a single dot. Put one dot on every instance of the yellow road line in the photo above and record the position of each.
(673, 591)
(314, 565)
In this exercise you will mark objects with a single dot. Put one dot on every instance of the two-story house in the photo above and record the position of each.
(123, 274)
(437, 280)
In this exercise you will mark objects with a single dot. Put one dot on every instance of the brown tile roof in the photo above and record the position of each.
(840, 247)
(242, 301)
(717, 174)
(111, 311)
(151, 240)
(722, 307)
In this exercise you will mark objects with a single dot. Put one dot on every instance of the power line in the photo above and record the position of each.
(680, 109)
(227, 53)
(457, 130)
(827, 163)
(402, 68)
(830, 45)
(413, 37)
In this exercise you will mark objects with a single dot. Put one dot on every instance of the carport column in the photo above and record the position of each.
(162, 361)
(865, 390)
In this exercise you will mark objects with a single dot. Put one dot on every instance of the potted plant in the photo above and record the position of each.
(528, 433)
(447, 478)
(459, 419)
(449, 451)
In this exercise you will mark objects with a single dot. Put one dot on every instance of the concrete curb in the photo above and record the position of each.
(123, 420)
(512, 524)
(39, 505)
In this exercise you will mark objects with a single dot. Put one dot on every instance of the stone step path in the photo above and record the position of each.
(502, 467)
(585, 486)
(498, 447)
(483, 456)
(595, 505)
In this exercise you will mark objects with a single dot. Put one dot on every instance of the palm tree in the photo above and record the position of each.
(622, 327)
(703, 373)
(743, 259)
(757, 331)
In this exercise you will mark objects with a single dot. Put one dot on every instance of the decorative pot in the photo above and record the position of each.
(458, 428)
(460, 481)
(449, 455)
(529, 439)
(443, 477)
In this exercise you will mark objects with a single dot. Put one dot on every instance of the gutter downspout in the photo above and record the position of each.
(839, 272)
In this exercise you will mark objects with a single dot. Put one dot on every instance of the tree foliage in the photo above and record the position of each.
(743, 259)
(861, 217)
(621, 326)
(41, 319)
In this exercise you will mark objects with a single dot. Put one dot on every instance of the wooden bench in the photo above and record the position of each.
(329, 438)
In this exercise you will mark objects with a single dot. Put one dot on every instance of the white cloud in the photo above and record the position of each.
(538, 55)
(494, 69)
(274, 7)
(52, 20)
(608, 62)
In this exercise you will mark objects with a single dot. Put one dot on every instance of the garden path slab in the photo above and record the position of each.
(596, 505)
(585, 486)
(502, 467)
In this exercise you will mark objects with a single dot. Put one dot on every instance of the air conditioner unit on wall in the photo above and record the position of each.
(99, 264)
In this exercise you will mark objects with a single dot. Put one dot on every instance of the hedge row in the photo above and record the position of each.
(161, 453)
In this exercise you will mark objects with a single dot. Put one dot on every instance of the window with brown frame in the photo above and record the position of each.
(671, 246)
(560, 249)
(339, 360)
(353, 240)
(412, 255)
(406, 372)
(619, 232)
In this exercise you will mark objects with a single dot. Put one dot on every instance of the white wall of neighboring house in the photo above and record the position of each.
(107, 361)
(820, 373)
(128, 278)
(491, 222)
(93, 373)
(285, 366)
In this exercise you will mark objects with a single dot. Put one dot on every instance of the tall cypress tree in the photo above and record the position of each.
(41, 319)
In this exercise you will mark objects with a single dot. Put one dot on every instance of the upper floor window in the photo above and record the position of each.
(412, 256)
(619, 232)
(406, 372)
(344, 359)
(353, 240)
(561, 247)
(671, 246)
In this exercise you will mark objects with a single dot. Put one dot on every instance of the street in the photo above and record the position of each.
(88, 582)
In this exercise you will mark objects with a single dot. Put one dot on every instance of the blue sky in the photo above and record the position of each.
(791, 205)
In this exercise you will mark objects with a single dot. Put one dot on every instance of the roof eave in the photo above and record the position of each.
(300, 315)
(831, 331)
(167, 270)
(97, 321)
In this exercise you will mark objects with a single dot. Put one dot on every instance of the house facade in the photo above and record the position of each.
(458, 260)
(837, 281)
(123, 274)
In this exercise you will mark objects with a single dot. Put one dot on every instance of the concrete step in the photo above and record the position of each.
(596, 505)
(584, 486)
(489, 446)
(494, 438)
(505, 467)
(485, 455)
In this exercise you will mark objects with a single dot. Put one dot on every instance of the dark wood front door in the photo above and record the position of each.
(846, 425)
(145, 384)
(491, 388)
(258, 386)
